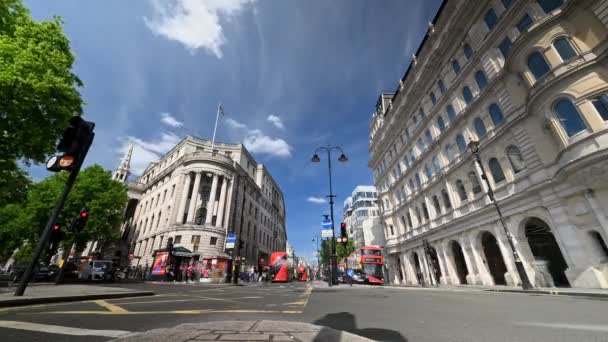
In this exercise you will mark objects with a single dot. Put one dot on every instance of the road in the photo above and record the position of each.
(380, 313)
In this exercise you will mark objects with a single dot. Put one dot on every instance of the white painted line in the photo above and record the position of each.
(587, 327)
(57, 329)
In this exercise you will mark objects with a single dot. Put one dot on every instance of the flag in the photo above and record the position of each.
(221, 109)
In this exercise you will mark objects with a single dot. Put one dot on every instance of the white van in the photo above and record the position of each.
(95, 270)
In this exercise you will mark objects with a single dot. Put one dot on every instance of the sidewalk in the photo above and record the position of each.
(245, 331)
(66, 293)
(577, 292)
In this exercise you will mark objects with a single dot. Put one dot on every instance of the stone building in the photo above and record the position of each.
(196, 194)
(529, 81)
(361, 216)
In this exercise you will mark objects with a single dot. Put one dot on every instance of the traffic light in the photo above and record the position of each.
(241, 244)
(56, 236)
(343, 233)
(74, 145)
(80, 221)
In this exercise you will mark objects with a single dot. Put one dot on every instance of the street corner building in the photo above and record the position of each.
(198, 193)
(361, 216)
(528, 80)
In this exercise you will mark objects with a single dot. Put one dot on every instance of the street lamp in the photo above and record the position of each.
(525, 282)
(342, 158)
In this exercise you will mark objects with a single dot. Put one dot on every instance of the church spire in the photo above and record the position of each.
(123, 171)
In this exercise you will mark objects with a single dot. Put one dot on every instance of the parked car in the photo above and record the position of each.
(41, 272)
(359, 277)
(96, 270)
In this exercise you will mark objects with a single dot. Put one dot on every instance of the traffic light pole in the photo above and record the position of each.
(49, 224)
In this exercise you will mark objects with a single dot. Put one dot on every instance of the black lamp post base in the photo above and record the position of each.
(525, 282)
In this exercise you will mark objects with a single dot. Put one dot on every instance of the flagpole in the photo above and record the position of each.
(217, 116)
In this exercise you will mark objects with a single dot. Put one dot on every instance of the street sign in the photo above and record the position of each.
(326, 233)
(326, 223)
(230, 240)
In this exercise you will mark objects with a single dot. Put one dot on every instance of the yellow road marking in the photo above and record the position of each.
(113, 308)
(296, 303)
(218, 299)
(184, 312)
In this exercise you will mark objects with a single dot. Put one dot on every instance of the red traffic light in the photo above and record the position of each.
(84, 214)
(56, 227)
(342, 225)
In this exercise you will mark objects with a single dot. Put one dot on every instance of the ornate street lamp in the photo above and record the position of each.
(525, 281)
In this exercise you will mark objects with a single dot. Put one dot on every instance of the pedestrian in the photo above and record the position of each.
(189, 273)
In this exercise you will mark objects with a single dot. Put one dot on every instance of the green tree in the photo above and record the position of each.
(14, 184)
(342, 250)
(39, 90)
(94, 189)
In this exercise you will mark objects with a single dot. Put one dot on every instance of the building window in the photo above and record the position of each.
(407, 162)
(446, 199)
(449, 153)
(481, 80)
(418, 182)
(412, 157)
(564, 48)
(433, 98)
(480, 128)
(422, 114)
(421, 146)
(490, 19)
(441, 86)
(451, 113)
(467, 95)
(496, 115)
(428, 136)
(196, 240)
(456, 66)
(418, 215)
(496, 170)
(515, 158)
(436, 205)
(427, 171)
(460, 142)
(505, 47)
(172, 190)
(178, 239)
(538, 65)
(475, 185)
(412, 185)
(506, 3)
(549, 5)
(436, 164)
(425, 211)
(601, 105)
(392, 229)
(462, 192)
(213, 241)
(569, 117)
(468, 52)
(524, 23)
(409, 220)
(441, 123)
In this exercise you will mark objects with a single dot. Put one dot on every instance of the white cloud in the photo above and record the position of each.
(169, 120)
(256, 141)
(194, 23)
(276, 121)
(316, 200)
(145, 152)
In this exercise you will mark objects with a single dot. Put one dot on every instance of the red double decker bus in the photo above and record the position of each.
(372, 264)
(279, 267)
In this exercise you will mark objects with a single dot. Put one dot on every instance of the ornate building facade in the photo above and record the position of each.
(196, 194)
(529, 81)
(361, 216)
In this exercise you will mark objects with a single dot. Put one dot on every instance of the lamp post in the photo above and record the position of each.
(525, 282)
(429, 262)
(343, 159)
(316, 238)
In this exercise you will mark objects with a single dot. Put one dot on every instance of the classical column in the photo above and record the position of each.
(195, 191)
(452, 277)
(211, 201)
(482, 269)
(444, 272)
(470, 260)
(598, 212)
(182, 202)
(228, 205)
(221, 205)
(507, 255)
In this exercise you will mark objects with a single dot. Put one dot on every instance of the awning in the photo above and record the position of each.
(182, 252)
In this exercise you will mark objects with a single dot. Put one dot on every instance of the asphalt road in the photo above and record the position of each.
(380, 313)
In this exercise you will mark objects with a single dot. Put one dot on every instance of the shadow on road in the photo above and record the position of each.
(346, 321)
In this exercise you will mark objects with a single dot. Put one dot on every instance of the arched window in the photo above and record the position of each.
(569, 117)
(467, 95)
(480, 128)
(481, 79)
(418, 182)
(425, 211)
(446, 199)
(421, 145)
(456, 66)
(449, 153)
(462, 192)
(441, 86)
(436, 205)
(428, 136)
(490, 18)
(468, 52)
(475, 185)
(428, 171)
(461, 143)
(496, 115)
(436, 164)
(564, 48)
(549, 5)
(538, 65)
(517, 161)
(601, 105)
(440, 124)
(433, 98)
(451, 113)
(496, 170)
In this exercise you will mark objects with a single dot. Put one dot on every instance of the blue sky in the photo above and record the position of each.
(291, 75)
